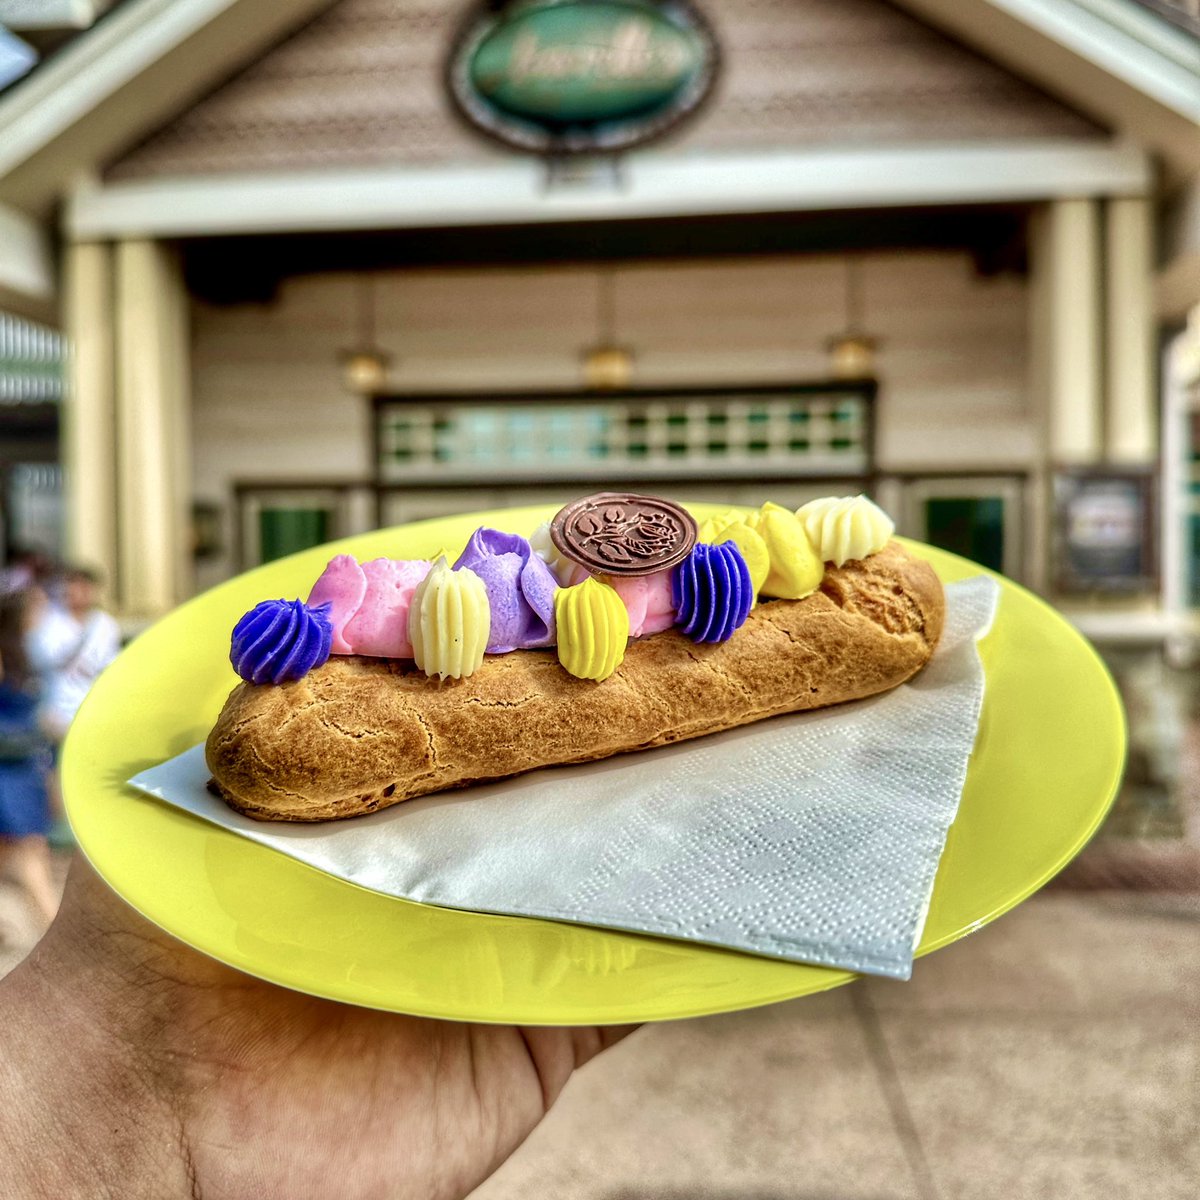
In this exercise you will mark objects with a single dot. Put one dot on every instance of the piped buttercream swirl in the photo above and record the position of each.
(520, 588)
(593, 628)
(369, 603)
(713, 592)
(732, 527)
(649, 599)
(280, 640)
(341, 588)
(796, 568)
(562, 567)
(449, 622)
(842, 528)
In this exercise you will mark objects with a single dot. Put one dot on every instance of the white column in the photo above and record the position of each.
(1071, 249)
(1038, 514)
(1181, 400)
(1065, 368)
(88, 416)
(1131, 427)
(178, 391)
(153, 436)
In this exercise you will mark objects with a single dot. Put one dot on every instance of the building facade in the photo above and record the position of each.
(998, 212)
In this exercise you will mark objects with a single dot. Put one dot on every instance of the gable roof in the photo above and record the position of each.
(1183, 13)
(131, 73)
(797, 74)
(1115, 59)
(121, 79)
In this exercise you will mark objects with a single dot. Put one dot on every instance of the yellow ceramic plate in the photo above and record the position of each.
(1046, 766)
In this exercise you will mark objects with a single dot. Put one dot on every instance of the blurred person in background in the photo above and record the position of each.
(27, 566)
(72, 642)
(24, 756)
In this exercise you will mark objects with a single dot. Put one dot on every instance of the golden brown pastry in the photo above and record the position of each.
(360, 734)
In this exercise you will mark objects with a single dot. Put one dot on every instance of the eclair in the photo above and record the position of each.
(631, 628)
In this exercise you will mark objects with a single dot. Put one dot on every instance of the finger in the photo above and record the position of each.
(610, 1035)
(556, 1052)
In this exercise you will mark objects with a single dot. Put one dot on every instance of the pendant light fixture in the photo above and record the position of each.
(607, 366)
(365, 367)
(852, 352)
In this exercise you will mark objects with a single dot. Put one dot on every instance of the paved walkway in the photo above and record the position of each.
(1054, 1055)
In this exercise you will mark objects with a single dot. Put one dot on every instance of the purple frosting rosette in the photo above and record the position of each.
(520, 589)
(713, 593)
(279, 640)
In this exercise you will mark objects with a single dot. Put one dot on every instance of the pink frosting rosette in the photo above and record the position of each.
(520, 589)
(369, 603)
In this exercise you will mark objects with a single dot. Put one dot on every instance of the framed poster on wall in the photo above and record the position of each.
(1105, 526)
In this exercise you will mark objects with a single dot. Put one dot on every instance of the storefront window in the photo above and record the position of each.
(805, 431)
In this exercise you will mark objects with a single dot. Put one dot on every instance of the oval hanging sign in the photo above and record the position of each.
(579, 76)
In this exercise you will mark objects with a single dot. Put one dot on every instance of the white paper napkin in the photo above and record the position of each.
(813, 838)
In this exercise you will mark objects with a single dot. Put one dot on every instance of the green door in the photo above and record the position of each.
(283, 531)
(972, 526)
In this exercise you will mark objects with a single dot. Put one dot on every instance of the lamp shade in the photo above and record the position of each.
(852, 356)
(365, 371)
(607, 368)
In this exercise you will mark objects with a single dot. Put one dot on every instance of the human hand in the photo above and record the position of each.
(131, 1065)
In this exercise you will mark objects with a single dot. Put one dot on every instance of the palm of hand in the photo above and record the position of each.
(317, 1099)
(271, 1093)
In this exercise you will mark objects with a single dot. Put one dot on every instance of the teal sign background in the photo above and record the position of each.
(571, 76)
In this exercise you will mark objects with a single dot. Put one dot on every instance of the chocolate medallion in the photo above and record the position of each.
(620, 533)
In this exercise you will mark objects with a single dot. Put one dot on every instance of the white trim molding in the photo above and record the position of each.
(26, 256)
(1129, 43)
(92, 68)
(1121, 64)
(122, 78)
(22, 15)
(650, 186)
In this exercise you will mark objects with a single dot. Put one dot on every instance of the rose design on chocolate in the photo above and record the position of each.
(620, 533)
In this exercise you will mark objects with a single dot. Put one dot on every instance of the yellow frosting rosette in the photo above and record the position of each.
(732, 527)
(593, 627)
(449, 622)
(796, 568)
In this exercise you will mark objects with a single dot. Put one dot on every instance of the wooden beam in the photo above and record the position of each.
(514, 191)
